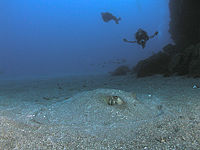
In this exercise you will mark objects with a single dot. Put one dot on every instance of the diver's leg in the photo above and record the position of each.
(116, 19)
(156, 33)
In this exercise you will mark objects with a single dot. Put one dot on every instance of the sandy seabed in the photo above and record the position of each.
(70, 113)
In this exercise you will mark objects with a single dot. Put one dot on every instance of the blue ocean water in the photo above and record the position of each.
(51, 37)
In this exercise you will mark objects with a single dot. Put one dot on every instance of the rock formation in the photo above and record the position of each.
(185, 22)
(183, 58)
(120, 71)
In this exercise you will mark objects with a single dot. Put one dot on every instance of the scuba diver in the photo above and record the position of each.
(141, 37)
(106, 16)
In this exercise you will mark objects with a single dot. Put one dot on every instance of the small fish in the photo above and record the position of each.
(106, 16)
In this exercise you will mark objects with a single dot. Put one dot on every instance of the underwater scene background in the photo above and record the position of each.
(40, 38)
(99, 75)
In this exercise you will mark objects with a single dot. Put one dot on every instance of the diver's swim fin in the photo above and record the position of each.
(117, 20)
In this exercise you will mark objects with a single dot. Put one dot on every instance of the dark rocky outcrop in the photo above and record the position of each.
(186, 62)
(156, 64)
(170, 61)
(183, 58)
(121, 70)
(184, 25)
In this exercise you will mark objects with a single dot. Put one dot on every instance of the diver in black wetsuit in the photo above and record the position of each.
(141, 37)
(106, 16)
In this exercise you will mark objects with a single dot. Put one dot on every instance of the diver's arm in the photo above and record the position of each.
(156, 33)
(125, 40)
